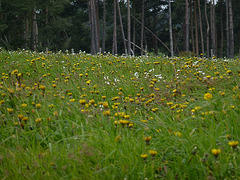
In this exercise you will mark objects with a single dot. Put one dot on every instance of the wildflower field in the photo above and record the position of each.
(78, 116)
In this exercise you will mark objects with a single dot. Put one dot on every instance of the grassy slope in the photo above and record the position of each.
(127, 100)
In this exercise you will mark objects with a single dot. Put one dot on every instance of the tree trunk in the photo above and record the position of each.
(227, 28)
(170, 27)
(221, 47)
(129, 27)
(94, 28)
(154, 37)
(97, 25)
(34, 29)
(215, 29)
(212, 17)
(47, 43)
(192, 33)
(200, 24)
(134, 28)
(196, 27)
(114, 49)
(231, 30)
(104, 26)
(121, 24)
(26, 32)
(142, 27)
(206, 17)
(186, 26)
(93, 50)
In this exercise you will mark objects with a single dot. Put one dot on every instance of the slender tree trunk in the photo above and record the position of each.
(121, 24)
(196, 27)
(93, 48)
(213, 40)
(145, 42)
(0, 17)
(221, 48)
(129, 27)
(192, 32)
(154, 37)
(114, 50)
(200, 24)
(26, 34)
(94, 27)
(206, 18)
(215, 25)
(227, 28)
(91, 27)
(104, 26)
(142, 26)
(170, 27)
(47, 43)
(97, 25)
(187, 25)
(231, 30)
(34, 33)
(134, 27)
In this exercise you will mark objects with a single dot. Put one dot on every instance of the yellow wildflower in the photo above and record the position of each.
(144, 156)
(233, 144)
(216, 152)
(38, 120)
(207, 96)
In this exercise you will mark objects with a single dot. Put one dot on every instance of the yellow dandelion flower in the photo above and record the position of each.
(38, 120)
(25, 119)
(207, 96)
(104, 97)
(38, 106)
(20, 116)
(197, 108)
(178, 134)
(152, 153)
(24, 105)
(92, 101)
(144, 156)
(229, 71)
(106, 113)
(216, 152)
(42, 87)
(105, 104)
(233, 144)
(130, 125)
(148, 139)
(10, 110)
(126, 116)
(82, 101)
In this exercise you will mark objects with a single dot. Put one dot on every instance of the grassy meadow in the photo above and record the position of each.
(65, 116)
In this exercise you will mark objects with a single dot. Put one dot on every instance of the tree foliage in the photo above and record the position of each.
(66, 24)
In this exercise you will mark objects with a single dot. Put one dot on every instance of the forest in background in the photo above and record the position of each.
(204, 27)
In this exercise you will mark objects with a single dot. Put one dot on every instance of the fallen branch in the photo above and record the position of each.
(153, 34)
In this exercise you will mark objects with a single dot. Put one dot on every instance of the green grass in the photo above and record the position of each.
(46, 133)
